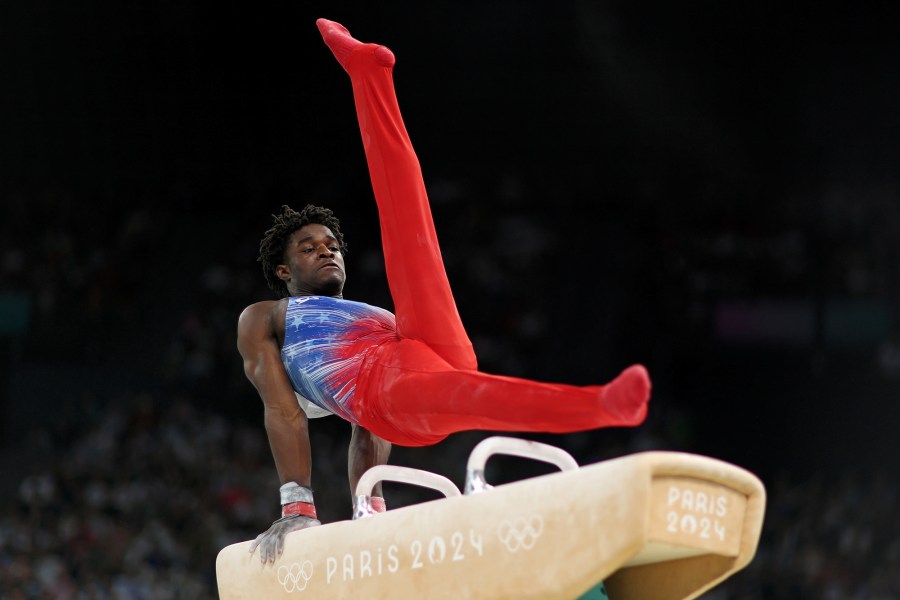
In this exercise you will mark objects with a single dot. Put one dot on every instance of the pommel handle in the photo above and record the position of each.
(475, 481)
(362, 505)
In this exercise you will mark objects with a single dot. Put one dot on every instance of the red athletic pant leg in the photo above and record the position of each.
(423, 302)
(414, 398)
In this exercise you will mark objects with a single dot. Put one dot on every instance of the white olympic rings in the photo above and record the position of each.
(296, 576)
(520, 534)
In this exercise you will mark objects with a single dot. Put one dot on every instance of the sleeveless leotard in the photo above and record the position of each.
(325, 342)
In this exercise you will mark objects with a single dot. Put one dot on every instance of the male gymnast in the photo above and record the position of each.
(409, 377)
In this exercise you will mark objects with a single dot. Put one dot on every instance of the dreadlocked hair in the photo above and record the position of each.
(274, 241)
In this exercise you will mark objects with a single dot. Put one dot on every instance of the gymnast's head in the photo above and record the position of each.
(302, 253)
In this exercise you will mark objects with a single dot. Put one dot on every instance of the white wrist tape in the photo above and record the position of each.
(294, 492)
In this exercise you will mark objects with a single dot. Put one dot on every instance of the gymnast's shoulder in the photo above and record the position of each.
(264, 314)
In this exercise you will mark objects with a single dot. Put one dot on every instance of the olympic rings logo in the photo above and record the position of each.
(521, 534)
(296, 576)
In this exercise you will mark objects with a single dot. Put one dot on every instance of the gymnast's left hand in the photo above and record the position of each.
(271, 541)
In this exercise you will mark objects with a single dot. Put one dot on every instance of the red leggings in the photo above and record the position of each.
(425, 385)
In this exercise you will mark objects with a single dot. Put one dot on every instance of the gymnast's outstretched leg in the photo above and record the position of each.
(413, 398)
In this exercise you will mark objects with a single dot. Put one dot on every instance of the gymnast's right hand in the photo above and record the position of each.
(271, 541)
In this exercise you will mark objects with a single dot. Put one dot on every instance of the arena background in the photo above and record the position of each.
(708, 188)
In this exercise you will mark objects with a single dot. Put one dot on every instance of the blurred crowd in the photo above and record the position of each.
(130, 495)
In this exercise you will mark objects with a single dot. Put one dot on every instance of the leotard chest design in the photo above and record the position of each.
(325, 342)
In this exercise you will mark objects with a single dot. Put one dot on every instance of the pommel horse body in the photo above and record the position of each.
(653, 525)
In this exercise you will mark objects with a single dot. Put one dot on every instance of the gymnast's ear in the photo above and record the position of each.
(282, 272)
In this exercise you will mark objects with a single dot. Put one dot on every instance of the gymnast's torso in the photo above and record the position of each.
(325, 342)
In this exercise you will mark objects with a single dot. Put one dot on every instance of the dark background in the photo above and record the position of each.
(708, 188)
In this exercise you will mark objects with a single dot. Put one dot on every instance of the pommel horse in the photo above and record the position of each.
(655, 525)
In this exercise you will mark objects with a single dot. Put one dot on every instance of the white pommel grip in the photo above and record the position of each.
(362, 505)
(475, 480)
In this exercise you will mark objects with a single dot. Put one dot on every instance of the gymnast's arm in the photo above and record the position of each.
(366, 450)
(286, 424)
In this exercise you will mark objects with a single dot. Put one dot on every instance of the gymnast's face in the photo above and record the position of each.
(313, 263)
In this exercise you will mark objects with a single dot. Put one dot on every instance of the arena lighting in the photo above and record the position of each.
(651, 525)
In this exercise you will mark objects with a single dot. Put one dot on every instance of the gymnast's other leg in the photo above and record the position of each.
(414, 398)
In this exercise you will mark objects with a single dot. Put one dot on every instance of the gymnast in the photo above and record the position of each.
(408, 378)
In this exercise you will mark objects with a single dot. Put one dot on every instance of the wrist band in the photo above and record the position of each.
(303, 509)
(378, 504)
(294, 492)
